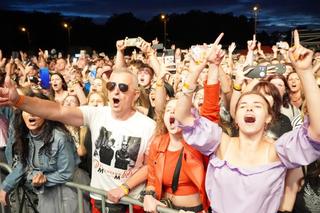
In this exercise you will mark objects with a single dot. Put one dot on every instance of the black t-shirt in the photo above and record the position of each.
(279, 127)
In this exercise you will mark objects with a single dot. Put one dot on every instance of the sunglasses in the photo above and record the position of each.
(122, 86)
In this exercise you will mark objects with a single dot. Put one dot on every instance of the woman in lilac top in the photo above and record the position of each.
(247, 173)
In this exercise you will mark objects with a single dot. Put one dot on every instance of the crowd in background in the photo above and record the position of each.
(128, 121)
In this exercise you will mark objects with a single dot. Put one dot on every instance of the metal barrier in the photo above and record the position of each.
(81, 188)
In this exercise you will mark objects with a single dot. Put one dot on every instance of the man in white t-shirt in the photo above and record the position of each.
(119, 123)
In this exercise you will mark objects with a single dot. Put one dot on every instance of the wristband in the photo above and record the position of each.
(20, 101)
(159, 83)
(187, 89)
(237, 87)
(124, 187)
(146, 192)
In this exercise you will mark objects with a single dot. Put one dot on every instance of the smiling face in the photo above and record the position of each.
(33, 123)
(294, 82)
(252, 114)
(122, 102)
(169, 120)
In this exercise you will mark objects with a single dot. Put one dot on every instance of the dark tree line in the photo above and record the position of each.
(46, 30)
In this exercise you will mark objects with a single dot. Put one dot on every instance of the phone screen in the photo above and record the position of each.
(45, 77)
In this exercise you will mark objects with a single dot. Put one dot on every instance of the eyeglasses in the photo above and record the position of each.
(122, 86)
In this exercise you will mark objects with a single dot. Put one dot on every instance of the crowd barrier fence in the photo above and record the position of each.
(83, 188)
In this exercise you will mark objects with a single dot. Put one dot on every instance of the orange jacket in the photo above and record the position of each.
(191, 157)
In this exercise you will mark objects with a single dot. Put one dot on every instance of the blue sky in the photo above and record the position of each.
(273, 14)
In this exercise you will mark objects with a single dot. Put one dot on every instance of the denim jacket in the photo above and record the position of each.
(58, 164)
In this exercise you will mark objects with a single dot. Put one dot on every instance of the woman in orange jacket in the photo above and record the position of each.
(176, 171)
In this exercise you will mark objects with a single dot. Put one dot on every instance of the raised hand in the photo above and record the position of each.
(8, 93)
(300, 57)
(216, 54)
(231, 47)
(120, 45)
(275, 48)
(252, 43)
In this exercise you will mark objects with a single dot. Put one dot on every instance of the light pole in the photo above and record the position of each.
(164, 19)
(25, 30)
(68, 27)
(255, 10)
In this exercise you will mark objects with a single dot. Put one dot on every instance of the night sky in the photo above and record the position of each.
(273, 14)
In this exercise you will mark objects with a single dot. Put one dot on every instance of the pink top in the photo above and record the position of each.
(232, 189)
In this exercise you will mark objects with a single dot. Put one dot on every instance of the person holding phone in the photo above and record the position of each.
(247, 173)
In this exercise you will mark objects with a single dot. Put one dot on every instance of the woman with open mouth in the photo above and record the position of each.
(247, 173)
(58, 88)
(48, 160)
(176, 171)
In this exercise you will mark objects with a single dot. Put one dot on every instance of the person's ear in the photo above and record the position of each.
(269, 119)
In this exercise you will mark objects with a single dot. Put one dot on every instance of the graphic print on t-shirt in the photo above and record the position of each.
(118, 151)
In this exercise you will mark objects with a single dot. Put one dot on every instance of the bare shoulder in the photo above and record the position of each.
(271, 146)
(225, 141)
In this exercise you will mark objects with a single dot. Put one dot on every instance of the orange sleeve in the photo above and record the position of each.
(150, 163)
(211, 108)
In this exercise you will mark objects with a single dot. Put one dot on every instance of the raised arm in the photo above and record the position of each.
(211, 107)
(42, 108)
(183, 112)
(251, 47)
(301, 59)
(119, 61)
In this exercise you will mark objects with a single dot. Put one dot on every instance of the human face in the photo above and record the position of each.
(96, 85)
(144, 77)
(122, 102)
(169, 120)
(33, 123)
(152, 95)
(60, 65)
(280, 85)
(56, 83)
(71, 101)
(294, 82)
(198, 99)
(252, 114)
(96, 100)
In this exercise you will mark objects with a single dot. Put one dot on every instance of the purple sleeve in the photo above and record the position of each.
(296, 148)
(204, 135)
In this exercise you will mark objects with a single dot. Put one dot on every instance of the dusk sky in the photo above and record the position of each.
(273, 14)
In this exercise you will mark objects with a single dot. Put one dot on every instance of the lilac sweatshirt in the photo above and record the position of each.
(233, 189)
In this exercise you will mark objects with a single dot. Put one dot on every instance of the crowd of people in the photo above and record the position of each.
(202, 130)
